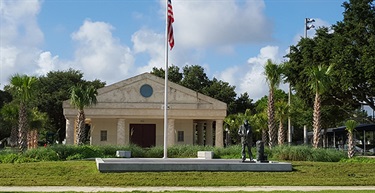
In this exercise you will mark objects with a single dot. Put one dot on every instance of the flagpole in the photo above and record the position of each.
(166, 84)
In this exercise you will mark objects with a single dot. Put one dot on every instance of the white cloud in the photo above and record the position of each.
(250, 78)
(46, 63)
(151, 43)
(220, 23)
(100, 55)
(20, 37)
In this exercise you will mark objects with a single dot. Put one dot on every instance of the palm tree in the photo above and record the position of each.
(319, 80)
(81, 97)
(282, 112)
(350, 127)
(273, 77)
(23, 88)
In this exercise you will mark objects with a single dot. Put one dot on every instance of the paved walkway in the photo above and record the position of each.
(162, 189)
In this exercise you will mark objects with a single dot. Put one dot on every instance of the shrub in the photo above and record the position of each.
(155, 152)
(306, 153)
(71, 152)
(41, 154)
(8, 158)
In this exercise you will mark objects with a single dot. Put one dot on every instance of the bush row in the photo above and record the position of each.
(70, 152)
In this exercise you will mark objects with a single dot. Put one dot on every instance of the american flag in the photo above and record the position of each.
(170, 21)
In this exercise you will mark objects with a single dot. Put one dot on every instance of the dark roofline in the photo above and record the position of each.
(361, 127)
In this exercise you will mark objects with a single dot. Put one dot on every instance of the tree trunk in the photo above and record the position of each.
(271, 120)
(32, 139)
(281, 137)
(22, 128)
(14, 136)
(316, 121)
(265, 135)
(81, 131)
(351, 151)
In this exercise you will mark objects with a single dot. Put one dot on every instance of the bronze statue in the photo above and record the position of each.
(246, 139)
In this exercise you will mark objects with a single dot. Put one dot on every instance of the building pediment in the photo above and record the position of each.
(146, 91)
(148, 88)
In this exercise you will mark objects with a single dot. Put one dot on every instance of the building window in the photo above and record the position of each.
(103, 135)
(180, 136)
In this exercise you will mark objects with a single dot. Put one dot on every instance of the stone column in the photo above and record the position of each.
(121, 132)
(200, 134)
(69, 134)
(305, 141)
(209, 134)
(171, 133)
(219, 134)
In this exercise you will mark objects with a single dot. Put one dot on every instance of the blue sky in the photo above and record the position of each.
(112, 40)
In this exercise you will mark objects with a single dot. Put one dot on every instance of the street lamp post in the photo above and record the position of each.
(308, 26)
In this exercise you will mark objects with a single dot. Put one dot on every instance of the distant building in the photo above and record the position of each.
(131, 111)
(364, 136)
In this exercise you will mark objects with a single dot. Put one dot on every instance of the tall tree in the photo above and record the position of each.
(354, 48)
(23, 89)
(319, 81)
(273, 76)
(80, 98)
(349, 45)
(350, 126)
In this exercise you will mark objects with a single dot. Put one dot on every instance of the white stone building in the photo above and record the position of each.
(131, 111)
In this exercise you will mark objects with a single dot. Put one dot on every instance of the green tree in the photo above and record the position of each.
(242, 103)
(174, 73)
(53, 89)
(9, 114)
(349, 45)
(80, 98)
(195, 78)
(273, 77)
(350, 127)
(220, 90)
(23, 90)
(354, 48)
(37, 121)
(5, 97)
(319, 81)
(260, 124)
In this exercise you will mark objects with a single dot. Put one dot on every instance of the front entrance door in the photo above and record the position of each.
(143, 135)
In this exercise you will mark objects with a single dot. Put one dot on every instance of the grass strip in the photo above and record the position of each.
(323, 191)
(85, 173)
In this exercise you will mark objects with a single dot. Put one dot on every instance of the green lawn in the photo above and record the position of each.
(84, 173)
(331, 191)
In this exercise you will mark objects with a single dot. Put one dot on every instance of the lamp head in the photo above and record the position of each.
(310, 20)
(309, 27)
